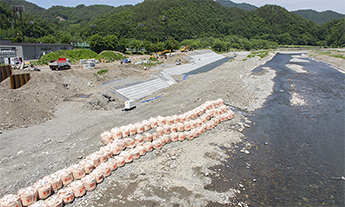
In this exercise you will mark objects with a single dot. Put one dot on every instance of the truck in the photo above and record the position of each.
(60, 64)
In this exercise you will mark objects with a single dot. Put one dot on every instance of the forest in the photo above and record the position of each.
(167, 24)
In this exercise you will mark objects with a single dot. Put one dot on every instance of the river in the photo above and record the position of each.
(296, 140)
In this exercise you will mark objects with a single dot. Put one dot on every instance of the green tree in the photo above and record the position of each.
(148, 47)
(50, 39)
(137, 45)
(97, 43)
(110, 42)
(123, 44)
(218, 45)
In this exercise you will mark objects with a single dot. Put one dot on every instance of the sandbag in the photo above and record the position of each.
(44, 189)
(98, 174)
(139, 139)
(166, 129)
(54, 201)
(163, 141)
(169, 120)
(10, 200)
(89, 182)
(66, 194)
(198, 122)
(140, 128)
(65, 176)
(166, 138)
(121, 143)
(173, 128)
(195, 132)
(147, 125)
(176, 119)
(180, 127)
(148, 146)
(78, 188)
(115, 148)
(160, 131)
(142, 150)
(116, 132)
(103, 157)
(160, 121)
(187, 126)
(154, 136)
(147, 137)
(28, 195)
(132, 129)
(39, 204)
(130, 143)
(181, 136)
(95, 159)
(105, 169)
(107, 151)
(77, 171)
(106, 137)
(54, 180)
(173, 136)
(112, 164)
(182, 118)
(87, 165)
(193, 124)
(120, 161)
(124, 131)
(189, 135)
(127, 156)
(153, 122)
(135, 153)
(157, 144)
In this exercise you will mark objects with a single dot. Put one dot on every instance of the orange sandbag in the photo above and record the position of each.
(106, 137)
(115, 148)
(127, 156)
(173, 136)
(77, 171)
(120, 143)
(112, 164)
(95, 159)
(148, 146)
(135, 153)
(181, 136)
(120, 161)
(107, 151)
(54, 180)
(139, 139)
(142, 150)
(44, 189)
(28, 195)
(105, 169)
(160, 121)
(116, 132)
(10, 200)
(166, 138)
(87, 165)
(153, 122)
(89, 182)
(173, 128)
(146, 124)
(166, 129)
(54, 201)
(39, 204)
(147, 137)
(160, 131)
(78, 188)
(65, 176)
(132, 129)
(130, 143)
(98, 175)
(157, 144)
(102, 156)
(66, 194)
(140, 128)
(180, 127)
(154, 136)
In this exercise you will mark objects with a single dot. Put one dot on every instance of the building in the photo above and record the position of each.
(28, 51)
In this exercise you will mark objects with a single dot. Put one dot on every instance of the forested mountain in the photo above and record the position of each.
(319, 17)
(245, 6)
(185, 19)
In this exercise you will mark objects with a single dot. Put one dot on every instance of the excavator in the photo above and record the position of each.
(185, 48)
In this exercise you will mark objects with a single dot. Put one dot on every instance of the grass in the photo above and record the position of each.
(152, 64)
(260, 54)
(101, 72)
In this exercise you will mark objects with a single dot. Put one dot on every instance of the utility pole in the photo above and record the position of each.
(165, 19)
(20, 9)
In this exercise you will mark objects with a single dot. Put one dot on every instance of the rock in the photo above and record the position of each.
(0, 132)
(246, 151)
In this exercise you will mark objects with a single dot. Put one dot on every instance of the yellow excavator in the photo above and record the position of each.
(185, 48)
(163, 53)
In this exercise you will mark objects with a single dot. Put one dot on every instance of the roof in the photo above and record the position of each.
(33, 44)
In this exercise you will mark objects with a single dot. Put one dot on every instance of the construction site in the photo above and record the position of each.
(56, 120)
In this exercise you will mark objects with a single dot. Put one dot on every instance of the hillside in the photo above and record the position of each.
(319, 17)
(245, 6)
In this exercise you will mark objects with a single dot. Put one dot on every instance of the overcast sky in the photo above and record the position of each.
(291, 5)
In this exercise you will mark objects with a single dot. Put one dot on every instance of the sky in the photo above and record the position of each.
(290, 5)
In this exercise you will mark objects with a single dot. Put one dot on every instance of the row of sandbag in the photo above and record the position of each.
(103, 162)
(172, 122)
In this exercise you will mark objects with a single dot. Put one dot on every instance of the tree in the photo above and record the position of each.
(171, 44)
(110, 42)
(136, 44)
(147, 46)
(218, 45)
(50, 39)
(123, 44)
(97, 43)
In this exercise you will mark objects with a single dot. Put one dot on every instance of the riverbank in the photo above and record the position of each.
(177, 174)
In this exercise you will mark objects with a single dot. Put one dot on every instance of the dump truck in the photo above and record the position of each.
(60, 64)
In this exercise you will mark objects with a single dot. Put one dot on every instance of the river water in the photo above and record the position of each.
(296, 140)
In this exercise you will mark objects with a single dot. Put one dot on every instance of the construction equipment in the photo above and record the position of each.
(186, 48)
(60, 64)
(163, 53)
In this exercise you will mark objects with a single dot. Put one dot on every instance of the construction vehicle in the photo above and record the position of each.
(163, 53)
(60, 64)
(186, 48)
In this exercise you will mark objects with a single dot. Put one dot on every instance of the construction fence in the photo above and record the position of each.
(5, 72)
(17, 81)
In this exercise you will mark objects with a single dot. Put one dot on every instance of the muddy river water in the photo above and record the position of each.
(296, 140)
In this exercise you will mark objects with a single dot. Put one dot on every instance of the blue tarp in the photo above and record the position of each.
(151, 99)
